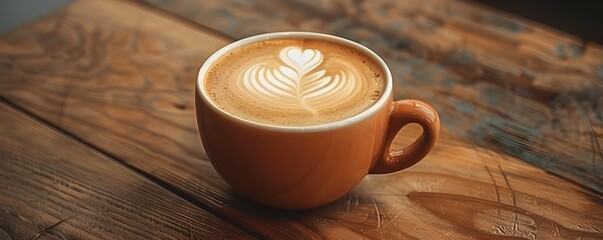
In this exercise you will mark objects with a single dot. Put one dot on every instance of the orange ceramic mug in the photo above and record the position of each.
(303, 167)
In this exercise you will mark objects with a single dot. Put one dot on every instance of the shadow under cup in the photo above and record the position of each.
(304, 167)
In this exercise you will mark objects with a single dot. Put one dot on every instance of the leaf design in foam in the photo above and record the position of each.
(297, 83)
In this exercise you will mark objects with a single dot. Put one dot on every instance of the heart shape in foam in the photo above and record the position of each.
(301, 61)
(299, 57)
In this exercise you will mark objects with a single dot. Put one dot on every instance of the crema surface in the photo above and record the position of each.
(294, 82)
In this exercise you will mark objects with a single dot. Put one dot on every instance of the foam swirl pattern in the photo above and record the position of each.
(294, 82)
(299, 82)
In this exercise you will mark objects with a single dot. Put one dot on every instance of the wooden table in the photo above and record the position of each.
(98, 136)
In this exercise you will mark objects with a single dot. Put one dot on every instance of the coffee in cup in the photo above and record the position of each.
(294, 82)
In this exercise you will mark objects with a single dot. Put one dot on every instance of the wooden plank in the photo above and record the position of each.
(54, 187)
(502, 82)
(144, 117)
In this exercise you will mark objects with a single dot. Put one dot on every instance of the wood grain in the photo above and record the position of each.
(502, 82)
(54, 187)
(120, 77)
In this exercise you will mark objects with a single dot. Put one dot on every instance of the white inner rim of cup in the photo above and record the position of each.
(377, 105)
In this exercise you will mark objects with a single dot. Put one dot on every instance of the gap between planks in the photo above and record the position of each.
(177, 19)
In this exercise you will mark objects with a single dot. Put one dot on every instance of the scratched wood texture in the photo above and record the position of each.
(120, 77)
(54, 187)
(499, 81)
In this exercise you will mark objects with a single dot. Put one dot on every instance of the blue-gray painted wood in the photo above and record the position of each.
(14, 13)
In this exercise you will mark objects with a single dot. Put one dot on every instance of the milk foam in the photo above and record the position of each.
(299, 82)
(294, 82)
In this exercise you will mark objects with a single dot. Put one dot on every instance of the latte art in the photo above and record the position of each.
(298, 82)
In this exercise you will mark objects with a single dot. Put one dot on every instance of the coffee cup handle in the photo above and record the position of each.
(402, 113)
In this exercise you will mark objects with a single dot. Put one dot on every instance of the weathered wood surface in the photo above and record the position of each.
(120, 77)
(54, 187)
(499, 81)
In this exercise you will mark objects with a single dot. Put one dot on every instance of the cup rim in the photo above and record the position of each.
(373, 109)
